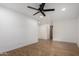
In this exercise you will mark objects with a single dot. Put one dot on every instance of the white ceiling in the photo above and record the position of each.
(71, 12)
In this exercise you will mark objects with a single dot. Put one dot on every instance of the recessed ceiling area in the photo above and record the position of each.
(62, 10)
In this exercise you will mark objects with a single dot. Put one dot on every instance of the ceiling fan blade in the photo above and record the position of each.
(43, 13)
(49, 10)
(32, 7)
(42, 6)
(36, 13)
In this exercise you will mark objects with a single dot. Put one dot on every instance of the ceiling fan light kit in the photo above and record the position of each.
(41, 9)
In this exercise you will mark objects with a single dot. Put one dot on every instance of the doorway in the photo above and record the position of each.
(46, 32)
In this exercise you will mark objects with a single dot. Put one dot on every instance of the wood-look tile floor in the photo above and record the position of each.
(47, 48)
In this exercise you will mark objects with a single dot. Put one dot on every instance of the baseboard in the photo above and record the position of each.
(65, 41)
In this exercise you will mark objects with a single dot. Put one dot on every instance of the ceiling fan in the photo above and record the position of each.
(41, 9)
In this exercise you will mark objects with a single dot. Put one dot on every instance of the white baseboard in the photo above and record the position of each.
(64, 41)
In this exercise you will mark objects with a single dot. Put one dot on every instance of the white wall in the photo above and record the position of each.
(16, 30)
(65, 30)
(78, 32)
